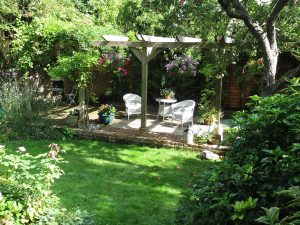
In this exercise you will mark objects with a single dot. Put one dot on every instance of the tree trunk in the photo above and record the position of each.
(266, 37)
(270, 66)
(28, 96)
(83, 120)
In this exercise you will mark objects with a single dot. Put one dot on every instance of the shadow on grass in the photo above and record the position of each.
(123, 184)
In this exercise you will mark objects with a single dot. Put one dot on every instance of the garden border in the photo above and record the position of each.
(117, 135)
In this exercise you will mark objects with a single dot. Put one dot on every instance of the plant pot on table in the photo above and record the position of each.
(169, 97)
(106, 119)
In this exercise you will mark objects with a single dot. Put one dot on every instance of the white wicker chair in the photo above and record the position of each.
(183, 111)
(132, 104)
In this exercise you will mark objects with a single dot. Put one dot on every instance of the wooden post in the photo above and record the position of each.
(145, 56)
(218, 100)
(144, 90)
(83, 119)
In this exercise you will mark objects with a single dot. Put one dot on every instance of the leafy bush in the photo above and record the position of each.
(106, 109)
(25, 185)
(23, 113)
(167, 92)
(264, 160)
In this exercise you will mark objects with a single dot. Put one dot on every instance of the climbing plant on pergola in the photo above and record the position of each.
(146, 49)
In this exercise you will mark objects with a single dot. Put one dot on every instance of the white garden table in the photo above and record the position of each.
(164, 109)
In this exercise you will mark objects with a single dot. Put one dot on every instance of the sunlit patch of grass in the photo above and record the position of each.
(122, 184)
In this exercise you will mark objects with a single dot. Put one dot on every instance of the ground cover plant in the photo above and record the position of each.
(258, 181)
(121, 184)
(26, 195)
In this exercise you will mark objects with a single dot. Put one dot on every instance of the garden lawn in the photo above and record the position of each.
(121, 184)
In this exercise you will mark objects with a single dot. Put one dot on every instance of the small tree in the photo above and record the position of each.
(77, 67)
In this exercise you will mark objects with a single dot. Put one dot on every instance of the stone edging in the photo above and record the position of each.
(115, 137)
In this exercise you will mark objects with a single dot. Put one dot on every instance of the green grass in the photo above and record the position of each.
(121, 184)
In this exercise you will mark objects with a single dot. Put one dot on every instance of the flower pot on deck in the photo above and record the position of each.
(106, 119)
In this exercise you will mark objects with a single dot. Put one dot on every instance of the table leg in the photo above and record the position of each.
(164, 111)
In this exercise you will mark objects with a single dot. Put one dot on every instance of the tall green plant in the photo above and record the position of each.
(264, 160)
(24, 113)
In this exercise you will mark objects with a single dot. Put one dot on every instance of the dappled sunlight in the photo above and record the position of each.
(123, 184)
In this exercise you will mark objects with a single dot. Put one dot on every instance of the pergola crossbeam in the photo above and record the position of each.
(154, 53)
(137, 53)
(140, 44)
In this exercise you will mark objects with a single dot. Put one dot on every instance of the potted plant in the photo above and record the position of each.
(72, 118)
(167, 93)
(106, 114)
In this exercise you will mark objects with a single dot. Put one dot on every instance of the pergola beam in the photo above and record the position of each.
(188, 39)
(141, 44)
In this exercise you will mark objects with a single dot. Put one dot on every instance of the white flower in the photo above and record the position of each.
(2, 146)
(1, 197)
(22, 149)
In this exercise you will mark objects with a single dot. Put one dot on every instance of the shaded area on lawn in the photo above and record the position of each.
(122, 184)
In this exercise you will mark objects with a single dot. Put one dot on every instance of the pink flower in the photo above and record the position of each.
(52, 154)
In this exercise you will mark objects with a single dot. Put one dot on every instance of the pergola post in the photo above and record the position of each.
(145, 56)
(144, 89)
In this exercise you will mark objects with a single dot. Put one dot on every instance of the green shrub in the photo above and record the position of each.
(25, 189)
(23, 113)
(264, 160)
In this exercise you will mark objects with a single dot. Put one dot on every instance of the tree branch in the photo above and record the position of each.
(271, 21)
(234, 9)
(288, 75)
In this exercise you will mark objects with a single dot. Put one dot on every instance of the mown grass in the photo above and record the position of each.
(121, 184)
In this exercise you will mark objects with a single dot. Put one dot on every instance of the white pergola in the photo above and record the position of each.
(145, 49)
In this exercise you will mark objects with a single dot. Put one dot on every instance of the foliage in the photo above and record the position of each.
(105, 13)
(271, 216)
(182, 65)
(24, 111)
(241, 208)
(148, 17)
(264, 160)
(80, 64)
(106, 109)
(68, 133)
(207, 109)
(293, 193)
(54, 28)
(26, 189)
(204, 138)
(74, 112)
(186, 86)
(115, 63)
(167, 92)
